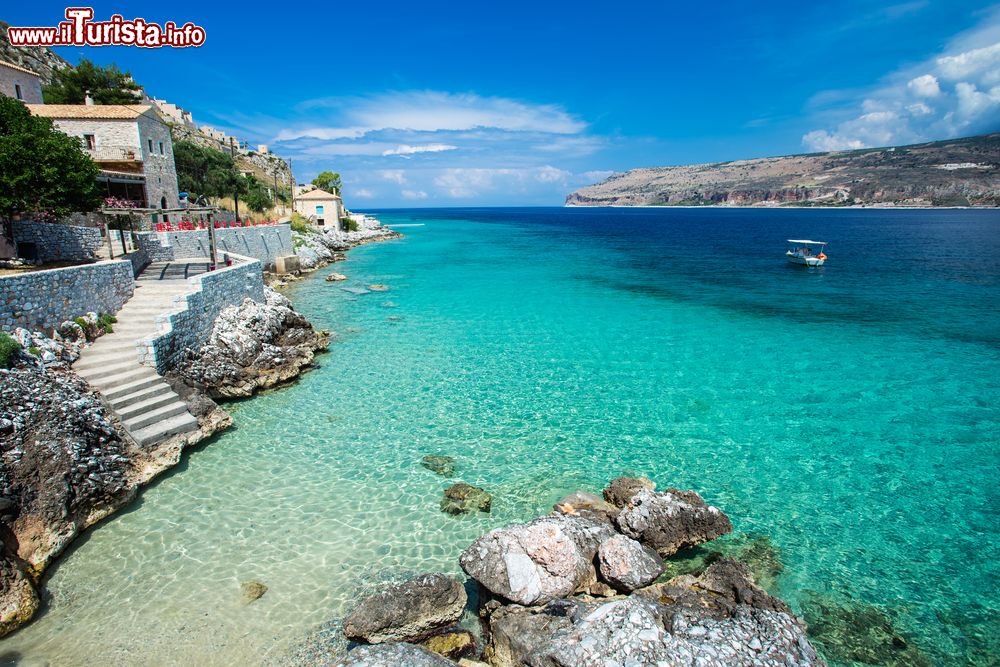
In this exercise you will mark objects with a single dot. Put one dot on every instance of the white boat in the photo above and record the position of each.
(803, 251)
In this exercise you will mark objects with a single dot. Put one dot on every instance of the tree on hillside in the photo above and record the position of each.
(107, 85)
(329, 181)
(257, 197)
(203, 171)
(44, 172)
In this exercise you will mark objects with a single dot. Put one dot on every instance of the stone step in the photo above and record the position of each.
(143, 382)
(140, 395)
(155, 415)
(183, 423)
(127, 412)
(109, 367)
(112, 352)
(137, 374)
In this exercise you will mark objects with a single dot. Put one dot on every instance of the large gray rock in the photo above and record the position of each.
(536, 562)
(626, 564)
(671, 520)
(410, 611)
(620, 490)
(393, 655)
(516, 631)
(639, 631)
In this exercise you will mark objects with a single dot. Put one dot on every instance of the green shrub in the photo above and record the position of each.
(351, 224)
(35, 352)
(301, 225)
(105, 321)
(82, 322)
(8, 350)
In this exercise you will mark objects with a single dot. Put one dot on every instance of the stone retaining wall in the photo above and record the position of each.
(45, 299)
(190, 323)
(264, 243)
(57, 242)
(156, 245)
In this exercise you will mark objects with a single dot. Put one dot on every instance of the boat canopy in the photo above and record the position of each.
(807, 242)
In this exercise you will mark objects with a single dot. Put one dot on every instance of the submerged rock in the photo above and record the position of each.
(626, 564)
(335, 277)
(442, 465)
(454, 644)
(620, 490)
(252, 590)
(378, 287)
(536, 562)
(393, 655)
(757, 551)
(671, 520)
(407, 612)
(586, 505)
(463, 498)
(854, 632)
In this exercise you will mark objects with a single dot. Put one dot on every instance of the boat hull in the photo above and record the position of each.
(805, 261)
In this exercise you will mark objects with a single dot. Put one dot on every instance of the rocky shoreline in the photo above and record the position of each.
(67, 463)
(585, 586)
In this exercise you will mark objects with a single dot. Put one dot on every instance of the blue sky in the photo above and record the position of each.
(459, 104)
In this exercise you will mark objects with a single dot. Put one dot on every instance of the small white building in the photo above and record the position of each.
(322, 208)
(129, 143)
(20, 83)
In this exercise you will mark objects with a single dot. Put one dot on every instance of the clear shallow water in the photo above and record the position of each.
(849, 413)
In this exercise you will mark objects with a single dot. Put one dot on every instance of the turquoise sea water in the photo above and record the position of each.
(849, 413)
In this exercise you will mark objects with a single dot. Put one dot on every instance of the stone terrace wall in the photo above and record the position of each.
(151, 244)
(45, 299)
(264, 243)
(190, 324)
(56, 242)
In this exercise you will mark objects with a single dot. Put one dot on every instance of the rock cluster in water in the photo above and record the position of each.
(253, 346)
(583, 587)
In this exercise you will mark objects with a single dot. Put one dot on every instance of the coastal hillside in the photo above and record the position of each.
(957, 172)
(41, 60)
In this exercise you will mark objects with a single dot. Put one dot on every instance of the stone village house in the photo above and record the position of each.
(323, 208)
(20, 83)
(130, 145)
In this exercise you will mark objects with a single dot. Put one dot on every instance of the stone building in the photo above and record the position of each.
(322, 208)
(130, 145)
(20, 83)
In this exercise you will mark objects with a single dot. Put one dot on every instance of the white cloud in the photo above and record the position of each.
(413, 194)
(397, 176)
(924, 86)
(434, 111)
(363, 193)
(406, 149)
(963, 82)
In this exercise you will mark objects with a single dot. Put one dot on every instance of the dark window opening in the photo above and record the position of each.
(320, 222)
(161, 148)
(89, 141)
(17, 91)
(150, 144)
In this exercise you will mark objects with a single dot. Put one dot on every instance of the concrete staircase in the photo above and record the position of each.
(146, 405)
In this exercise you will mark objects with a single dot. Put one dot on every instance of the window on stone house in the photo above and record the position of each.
(319, 210)
(161, 148)
(320, 221)
(149, 142)
(89, 142)
(17, 91)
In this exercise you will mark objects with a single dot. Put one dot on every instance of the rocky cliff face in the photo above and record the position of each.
(40, 60)
(959, 172)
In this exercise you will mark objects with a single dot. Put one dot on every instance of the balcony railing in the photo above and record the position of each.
(114, 154)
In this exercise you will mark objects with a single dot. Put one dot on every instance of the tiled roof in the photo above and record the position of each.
(18, 68)
(318, 194)
(94, 111)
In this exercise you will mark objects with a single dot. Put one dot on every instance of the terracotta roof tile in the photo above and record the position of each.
(95, 111)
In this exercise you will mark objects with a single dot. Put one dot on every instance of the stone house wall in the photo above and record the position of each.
(43, 300)
(191, 322)
(161, 173)
(57, 242)
(31, 85)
